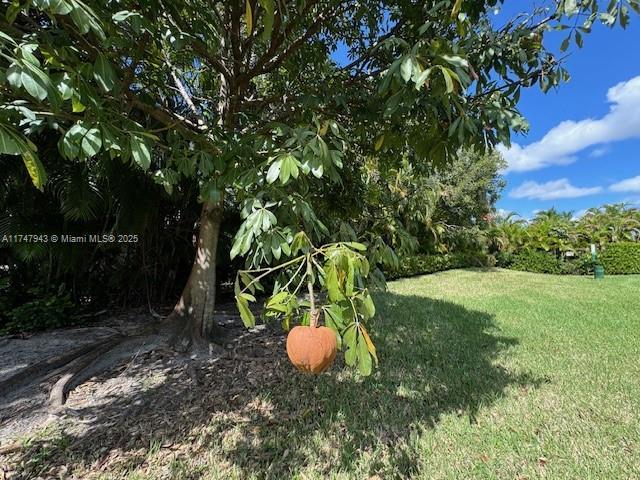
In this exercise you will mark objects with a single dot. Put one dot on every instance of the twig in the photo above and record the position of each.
(11, 448)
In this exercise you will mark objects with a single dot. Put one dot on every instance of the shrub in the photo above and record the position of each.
(43, 310)
(505, 259)
(422, 264)
(621, 258)
(537, 262)
(544, 262)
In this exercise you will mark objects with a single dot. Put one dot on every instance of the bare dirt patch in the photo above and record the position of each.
(152, 392)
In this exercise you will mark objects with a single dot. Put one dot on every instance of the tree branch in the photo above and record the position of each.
(296, 44)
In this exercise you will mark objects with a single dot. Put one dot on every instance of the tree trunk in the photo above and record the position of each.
(195, 308)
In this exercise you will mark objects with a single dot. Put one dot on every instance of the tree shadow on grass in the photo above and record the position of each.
(260, 419)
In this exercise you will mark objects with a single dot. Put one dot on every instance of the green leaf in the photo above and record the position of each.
(12, 11)
(406, 68)
(140, 151)
(33, 84)
(10, 142)
(456, 8)
(247, 296)
(35, 169)
(446, 73)
(85, 19)
(274, 171)
(365, 364)
(317, 168)
(65, 86)
(104, 73)
(285, 171)
(579, 39)
(268, 18)
(349, 340)
(60, 7)
(248, 16)
(299, 242)
(109, 139)
(288, 168)
(570, 7)
(369, 306)
(237, 246)
(379, 143)
(331, 282)
(456, 61)
(91, 142)
(422, 78)
(245, 313)
(72, 140)
(40, 82)
(334, 317)
(14, 75)
(370, 346)
(76, 105)
(349, 283)
(278, 298)
(122, 15)
(81, 19)
(356, 246)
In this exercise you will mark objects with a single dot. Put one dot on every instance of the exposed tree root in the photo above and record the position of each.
(11, 448)
(41, 369)
(76, 372)
(186, 337)
(77, 366)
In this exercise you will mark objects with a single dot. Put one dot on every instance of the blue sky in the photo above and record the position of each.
(594, 160)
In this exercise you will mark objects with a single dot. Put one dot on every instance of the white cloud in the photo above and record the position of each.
(552, 190)
(561, 144)
(627, 185)
(599, 152)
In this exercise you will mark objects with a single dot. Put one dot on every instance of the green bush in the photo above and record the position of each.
(505, 259)
(421, 264)
(544, 262)
(42, 311)
(621, 258)
(536, 262)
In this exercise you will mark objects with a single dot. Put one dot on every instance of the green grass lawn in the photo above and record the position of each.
(483, 375)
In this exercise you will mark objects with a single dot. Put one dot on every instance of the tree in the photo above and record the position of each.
(245, 99)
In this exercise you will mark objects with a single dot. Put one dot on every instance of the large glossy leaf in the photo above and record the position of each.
(274, 171)
(140, 151)
(249, 17)
(35, 168)
(91, 142)
(268, 18)
(104, 73)
(10, 142)
(365, 364)
(33, 84)
(246, 315)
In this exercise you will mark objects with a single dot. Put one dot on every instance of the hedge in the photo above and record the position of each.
(422, 264)
(617, 259)
(544, 262)
(621, 258)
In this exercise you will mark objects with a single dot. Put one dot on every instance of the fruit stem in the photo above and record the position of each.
(313, 314)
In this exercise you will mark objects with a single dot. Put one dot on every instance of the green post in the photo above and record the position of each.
(598, 272)
(598, 269)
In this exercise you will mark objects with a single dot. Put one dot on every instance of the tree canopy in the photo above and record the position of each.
(246, 101)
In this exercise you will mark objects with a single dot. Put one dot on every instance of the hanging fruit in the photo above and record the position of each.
(340, 269)
(312, 349)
